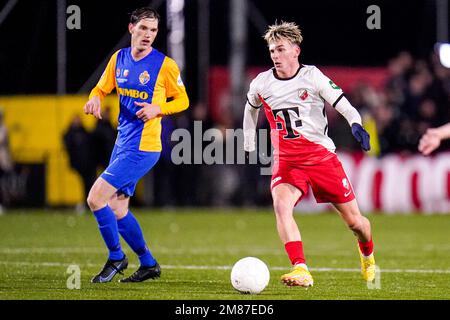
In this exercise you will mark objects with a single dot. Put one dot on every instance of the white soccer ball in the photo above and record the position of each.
(250, 275)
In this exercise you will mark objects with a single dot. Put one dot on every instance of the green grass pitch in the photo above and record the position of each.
(197, 248)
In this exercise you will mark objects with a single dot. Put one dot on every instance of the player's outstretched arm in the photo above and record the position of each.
(432, 138)
(249, 127)
(93, 106)
(444, 131)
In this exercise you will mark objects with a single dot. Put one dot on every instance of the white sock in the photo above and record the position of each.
(304, 266)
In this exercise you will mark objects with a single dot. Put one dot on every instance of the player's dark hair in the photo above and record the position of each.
(143, 13)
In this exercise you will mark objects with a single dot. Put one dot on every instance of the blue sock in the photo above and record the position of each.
(130, 230)
(107, 224)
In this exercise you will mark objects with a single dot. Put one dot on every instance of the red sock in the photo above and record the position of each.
(366, 247)
(294, 250)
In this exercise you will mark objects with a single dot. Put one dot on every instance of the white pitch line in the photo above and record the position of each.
(194, 267)
(60, 250)
(162, 250)
(65, 250)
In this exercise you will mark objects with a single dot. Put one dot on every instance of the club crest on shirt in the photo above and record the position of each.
(303, 94)
(345, 183)
(144, 77)
(117, 72)
(126, 72)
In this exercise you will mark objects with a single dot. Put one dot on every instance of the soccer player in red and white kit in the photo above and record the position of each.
(293, 96)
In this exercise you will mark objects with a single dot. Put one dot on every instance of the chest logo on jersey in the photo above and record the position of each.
(121, 75)
(302, 94)
(144, 77)
(133, 93)
(282, 117)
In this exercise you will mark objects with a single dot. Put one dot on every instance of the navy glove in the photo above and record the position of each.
(361, 136)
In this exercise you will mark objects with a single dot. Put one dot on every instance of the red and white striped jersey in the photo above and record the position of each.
(295, 109)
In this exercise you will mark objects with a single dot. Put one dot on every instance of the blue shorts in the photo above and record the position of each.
(127, 167)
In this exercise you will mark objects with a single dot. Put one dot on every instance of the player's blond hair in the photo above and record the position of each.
(284, 30)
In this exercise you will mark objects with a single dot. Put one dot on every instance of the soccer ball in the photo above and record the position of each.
(250, 275)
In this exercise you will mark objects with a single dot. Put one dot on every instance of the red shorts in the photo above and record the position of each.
(327, 179)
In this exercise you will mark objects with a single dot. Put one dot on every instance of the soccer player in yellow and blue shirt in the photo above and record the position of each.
(144, 79)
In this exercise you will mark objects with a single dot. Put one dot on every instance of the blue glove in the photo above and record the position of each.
(361, 136)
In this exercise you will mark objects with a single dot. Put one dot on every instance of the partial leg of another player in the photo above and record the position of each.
(360, 226)
(97, 200)
(285, 197)
(131, 232)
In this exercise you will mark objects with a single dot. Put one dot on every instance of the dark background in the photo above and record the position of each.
(335, 33)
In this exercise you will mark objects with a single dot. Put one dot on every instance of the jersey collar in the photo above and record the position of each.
(285, 79)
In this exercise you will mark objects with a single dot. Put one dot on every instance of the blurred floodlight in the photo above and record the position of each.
(443, 50)
(175, 24)
(176, 6)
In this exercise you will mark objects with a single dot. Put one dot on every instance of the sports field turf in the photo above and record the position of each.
(196, 249)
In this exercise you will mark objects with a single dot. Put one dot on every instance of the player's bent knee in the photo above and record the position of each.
(365, 220)
(119, 205)
(355, 224)
(94, 202)
(120, 212)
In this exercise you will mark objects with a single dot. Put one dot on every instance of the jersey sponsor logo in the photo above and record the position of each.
(144, 77)
(347, 193)
(126, 72)
(117, 72)
(303, 94)
(334, 85)
(133, 93)
(286, 120)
